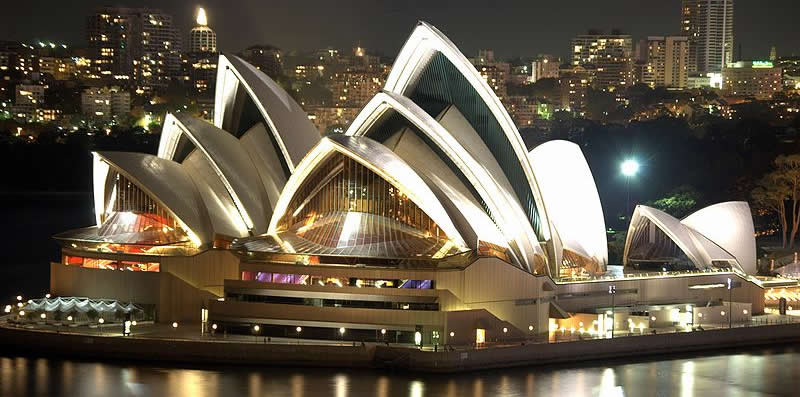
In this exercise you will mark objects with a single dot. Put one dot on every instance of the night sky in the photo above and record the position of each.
(511, 27)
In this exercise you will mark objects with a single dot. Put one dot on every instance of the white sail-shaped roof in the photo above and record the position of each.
(167, 183)
(570, 196)
(475, 164)
(229, 161)
(697, 236)
(423, 50)
(241, 86)
(729, 225)
(379, 160)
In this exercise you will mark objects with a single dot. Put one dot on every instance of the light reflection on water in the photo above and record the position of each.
(752, 372)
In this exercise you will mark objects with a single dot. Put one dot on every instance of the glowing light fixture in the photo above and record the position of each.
(629, 167)
(202, 19)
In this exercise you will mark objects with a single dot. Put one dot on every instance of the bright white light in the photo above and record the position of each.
(629, 168)
(298, 329)
(214, 326)
(69, 318)
(417, 338)
(341, 330)
(256, 328)
(383, 331)
(43, 316)
(101, 321)
(202, 19)
(47, 296)
(175, 325)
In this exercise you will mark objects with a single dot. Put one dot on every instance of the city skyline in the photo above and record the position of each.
(518, 30)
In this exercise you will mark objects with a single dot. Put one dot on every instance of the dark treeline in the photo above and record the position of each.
(716, 162)
(58, 162)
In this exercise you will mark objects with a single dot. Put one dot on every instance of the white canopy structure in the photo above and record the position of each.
(717, 237)
(573, 204)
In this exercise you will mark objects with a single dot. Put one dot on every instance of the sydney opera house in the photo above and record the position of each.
(428, 216)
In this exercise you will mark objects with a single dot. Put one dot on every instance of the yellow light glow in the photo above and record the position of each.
(202, 19)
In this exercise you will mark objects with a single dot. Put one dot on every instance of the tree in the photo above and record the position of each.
(778, 189)
(789, 171)
(770, 196)
(678, 203)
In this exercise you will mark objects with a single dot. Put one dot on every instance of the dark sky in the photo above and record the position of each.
(510, 27)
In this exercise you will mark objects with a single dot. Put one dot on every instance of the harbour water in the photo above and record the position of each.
(731, 373)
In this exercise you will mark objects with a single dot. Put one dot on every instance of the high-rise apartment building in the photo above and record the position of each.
(709, 26)
(137, 44)
(202, 38)
(609, 57)
(202, 58)
(665, 61)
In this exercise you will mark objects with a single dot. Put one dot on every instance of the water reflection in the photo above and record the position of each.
(752, 372)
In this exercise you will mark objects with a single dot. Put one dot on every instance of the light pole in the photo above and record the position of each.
(629, 169)
(730, 303)
(612, 290)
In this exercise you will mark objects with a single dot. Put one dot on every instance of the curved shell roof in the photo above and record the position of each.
(230, 163)
(166, 182)
(703, 249)
(729, 225)
(473, 164)
(291, 130)
(378, 159)
(415, 58)
(570, 196)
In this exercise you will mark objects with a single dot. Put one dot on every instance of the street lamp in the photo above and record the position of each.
(612, 290)
(730, 302)
(629, 168)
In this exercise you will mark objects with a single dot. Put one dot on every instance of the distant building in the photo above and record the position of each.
(522, 109)
(137, 44)
(666, 61)
(575, 83)
(757, 79)
(59, 68)
(496, 75)
(28, 98)
(354, 88)
(105, 102)
(330, 118)
(202, 38)
(201, 65)
(709, 26)
(520, 75)
(265, 58)
(545, 67)
(610, 57)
